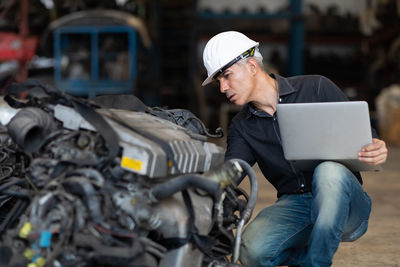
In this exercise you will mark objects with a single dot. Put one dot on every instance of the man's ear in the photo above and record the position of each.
(253, 65)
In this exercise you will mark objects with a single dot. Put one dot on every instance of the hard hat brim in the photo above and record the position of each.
(210, 77)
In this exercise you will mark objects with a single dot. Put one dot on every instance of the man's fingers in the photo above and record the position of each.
(373, 160)
(375, 153)
(376, 145)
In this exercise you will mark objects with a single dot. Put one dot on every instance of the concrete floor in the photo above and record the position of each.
(380, 246)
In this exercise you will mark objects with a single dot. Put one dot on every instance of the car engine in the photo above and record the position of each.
(82, 184)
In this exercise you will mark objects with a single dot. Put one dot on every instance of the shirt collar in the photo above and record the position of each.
(285, 88)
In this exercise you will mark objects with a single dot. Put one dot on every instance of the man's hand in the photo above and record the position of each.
(375, 153)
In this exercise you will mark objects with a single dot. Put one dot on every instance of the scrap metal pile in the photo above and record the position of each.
(82, 185)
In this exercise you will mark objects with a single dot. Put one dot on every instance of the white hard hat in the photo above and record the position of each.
(225, 49)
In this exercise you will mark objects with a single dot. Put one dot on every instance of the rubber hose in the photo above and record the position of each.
(246, 215)
(29, 127)
(179, 183)
(82, 187)
(251, 203)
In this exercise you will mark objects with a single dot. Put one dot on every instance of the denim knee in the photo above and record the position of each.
(253, 256)
(332, 183)
(278, 233)
(332, 176)
(253, 253)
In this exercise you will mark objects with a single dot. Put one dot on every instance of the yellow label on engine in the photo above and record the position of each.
(29, 253)
(25, 230)
(40, 261)
(132, 164)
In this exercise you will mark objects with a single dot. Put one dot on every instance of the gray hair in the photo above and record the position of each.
(257, 56)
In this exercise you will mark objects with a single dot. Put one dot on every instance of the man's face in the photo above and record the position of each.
(236, 83)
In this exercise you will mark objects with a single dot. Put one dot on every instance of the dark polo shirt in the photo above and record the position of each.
(254, 135)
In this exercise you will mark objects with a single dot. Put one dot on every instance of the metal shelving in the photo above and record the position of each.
(295, 39)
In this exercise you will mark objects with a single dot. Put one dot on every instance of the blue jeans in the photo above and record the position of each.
(306, 229)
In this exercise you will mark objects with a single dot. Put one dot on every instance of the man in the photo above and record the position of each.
(316, 209)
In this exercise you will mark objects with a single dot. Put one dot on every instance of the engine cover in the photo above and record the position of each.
(145, 140)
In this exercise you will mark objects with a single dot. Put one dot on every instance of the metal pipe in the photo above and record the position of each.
(246, 214)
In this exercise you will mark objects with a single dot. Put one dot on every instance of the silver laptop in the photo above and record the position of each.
(314, 132)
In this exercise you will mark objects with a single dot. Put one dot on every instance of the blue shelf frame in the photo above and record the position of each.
(296, 42)
(94, 85)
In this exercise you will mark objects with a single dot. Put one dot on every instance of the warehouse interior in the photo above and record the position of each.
(354, 43)
(152, 49)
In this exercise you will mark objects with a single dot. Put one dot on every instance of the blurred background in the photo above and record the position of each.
(153, 48)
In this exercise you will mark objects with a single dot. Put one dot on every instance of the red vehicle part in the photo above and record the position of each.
(15, 47)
